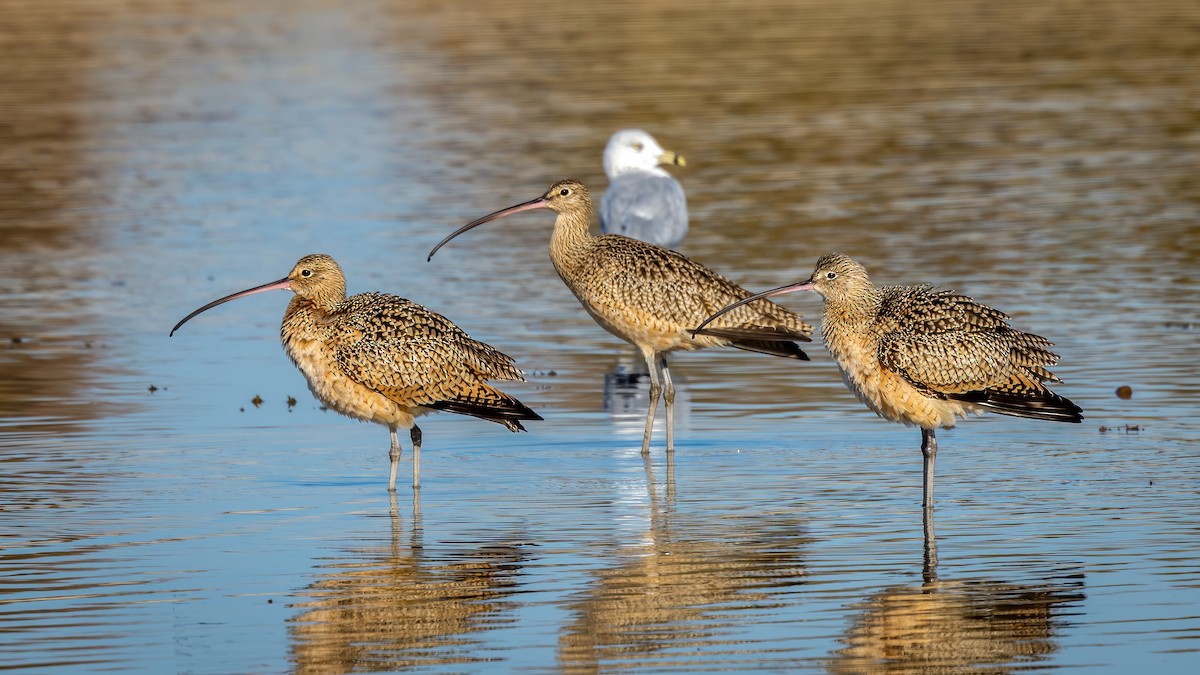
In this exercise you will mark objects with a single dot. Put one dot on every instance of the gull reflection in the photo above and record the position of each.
(966, 626)
(395, 607)
(677, 587)
(627, 394)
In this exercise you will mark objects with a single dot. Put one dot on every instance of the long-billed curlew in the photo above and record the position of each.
(924, 357)
(381, 358)
(650, 296)
(642, 201)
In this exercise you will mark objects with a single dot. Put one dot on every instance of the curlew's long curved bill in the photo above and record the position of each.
(790, 288)
(281, 285)
(539, 203)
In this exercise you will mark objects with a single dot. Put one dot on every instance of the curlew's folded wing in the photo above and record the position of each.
(632, 278)
(427, 370)
(946, 343)
(1002, 370)
(957, 362)
(447, 373)
(412, 354)
(924, 309)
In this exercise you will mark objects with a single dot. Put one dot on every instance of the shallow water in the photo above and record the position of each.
(158, 155)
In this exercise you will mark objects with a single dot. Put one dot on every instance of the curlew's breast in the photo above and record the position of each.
(339, 392)
(885, 392)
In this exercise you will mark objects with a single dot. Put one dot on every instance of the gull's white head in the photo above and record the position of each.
(636, 150)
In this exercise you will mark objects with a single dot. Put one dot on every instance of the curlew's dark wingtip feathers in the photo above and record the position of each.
(1044, 405)
(773, 340)
(493, 407)
(755, 333)
(787, 350)
(514, 423)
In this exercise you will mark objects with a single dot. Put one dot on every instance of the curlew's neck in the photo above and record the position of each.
(304, 316)
(851, 313)
(570, 241)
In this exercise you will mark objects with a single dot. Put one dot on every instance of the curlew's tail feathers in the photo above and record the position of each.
(755, 333)
(1041, 405)
(492, 405)
(773, 340)
(788, 350)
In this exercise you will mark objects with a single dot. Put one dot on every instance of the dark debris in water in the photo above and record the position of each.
(1182, 325)
(1124, 392)
(1128, 428)
(291, 402)
(257, 401)
(153, 389)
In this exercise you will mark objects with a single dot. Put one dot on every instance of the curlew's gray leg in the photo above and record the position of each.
(671, 478)
(930, 563)
(394, 455)
(929, 451)
(394, 516)
(669, 401)
(415, 435)
(651, 487)
(655, 390)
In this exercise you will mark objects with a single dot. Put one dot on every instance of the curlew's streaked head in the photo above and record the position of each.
(315, 277)
(636, 150)
(566, 196)
(837, 278)
(318, 278)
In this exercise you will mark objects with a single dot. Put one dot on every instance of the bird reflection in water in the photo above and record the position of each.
(673, 589)
(627, 394)
(626, 391)
(397, 607)
(978, 626)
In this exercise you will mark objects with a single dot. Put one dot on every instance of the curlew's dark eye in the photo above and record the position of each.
(831, 275)
(564, 192)
(637, 147)
(306, 273)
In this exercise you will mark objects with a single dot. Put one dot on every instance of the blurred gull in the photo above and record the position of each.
(642, 200)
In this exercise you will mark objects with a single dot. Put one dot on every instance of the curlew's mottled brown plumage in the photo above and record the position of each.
(380, 358)
(650, 296)
(925, 357)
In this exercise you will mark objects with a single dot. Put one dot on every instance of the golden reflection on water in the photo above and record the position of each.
(946, 627)
(680, 587)
(48, 187)
(46, 57)
(823, 114)
(396, 609)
